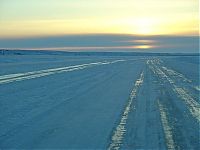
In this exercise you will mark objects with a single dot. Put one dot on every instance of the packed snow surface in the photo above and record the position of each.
(99, 102)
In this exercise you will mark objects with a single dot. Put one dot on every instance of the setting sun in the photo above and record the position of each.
(145, 26)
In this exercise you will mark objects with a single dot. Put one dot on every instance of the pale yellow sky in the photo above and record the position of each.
(20, 18)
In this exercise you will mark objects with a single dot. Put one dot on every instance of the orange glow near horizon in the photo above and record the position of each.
(143, 47)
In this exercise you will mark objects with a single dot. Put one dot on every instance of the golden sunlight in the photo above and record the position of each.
(142, 46)
(145, 26)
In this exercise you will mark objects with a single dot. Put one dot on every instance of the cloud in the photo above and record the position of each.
(106, 42)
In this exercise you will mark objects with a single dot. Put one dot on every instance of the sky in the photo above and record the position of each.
(22, 19)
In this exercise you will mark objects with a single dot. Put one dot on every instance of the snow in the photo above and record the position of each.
(98, 102)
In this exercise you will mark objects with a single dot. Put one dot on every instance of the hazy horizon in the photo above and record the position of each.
(106, 42)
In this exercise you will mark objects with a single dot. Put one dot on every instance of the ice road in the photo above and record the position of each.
(74, 102)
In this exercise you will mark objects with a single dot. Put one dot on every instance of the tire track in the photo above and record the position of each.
(166, 127)
(192, 105)
(36, 74)
(118, 134)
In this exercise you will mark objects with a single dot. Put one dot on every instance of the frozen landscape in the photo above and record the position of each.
(60, 101)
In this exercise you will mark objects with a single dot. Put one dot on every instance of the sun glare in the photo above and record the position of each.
(145, 26)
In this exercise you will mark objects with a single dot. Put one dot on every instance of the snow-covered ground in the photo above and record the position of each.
(99, 102)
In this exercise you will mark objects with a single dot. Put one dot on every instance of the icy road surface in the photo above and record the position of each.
(59, 102)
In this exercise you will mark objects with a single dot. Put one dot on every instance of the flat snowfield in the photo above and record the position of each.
(99, 102)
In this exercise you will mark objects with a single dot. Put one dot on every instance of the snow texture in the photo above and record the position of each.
(55, 101)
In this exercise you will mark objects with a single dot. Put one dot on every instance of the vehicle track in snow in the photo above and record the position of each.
(120, 131)
(37, 74)
(158, 115)
(181, 91)
(168, 132)
(179, 110)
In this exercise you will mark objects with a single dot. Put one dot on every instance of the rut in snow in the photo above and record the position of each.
(36, 74)
(166, 127)
(119, 132)
(166, 74)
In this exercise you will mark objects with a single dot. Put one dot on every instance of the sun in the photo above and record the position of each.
(144, 26)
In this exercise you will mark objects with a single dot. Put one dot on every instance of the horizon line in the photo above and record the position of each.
(90, 34)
